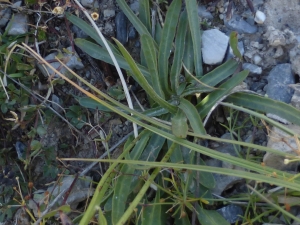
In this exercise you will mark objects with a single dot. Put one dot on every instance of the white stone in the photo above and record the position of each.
(214, 46)
(18, 24)
(260, 17)
(257, 59)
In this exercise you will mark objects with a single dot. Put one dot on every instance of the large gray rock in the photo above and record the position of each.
(18, 24)
(279, 79)
(214, 46)
(238, 24)
(231, 213)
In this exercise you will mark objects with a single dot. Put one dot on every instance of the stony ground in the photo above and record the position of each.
(269, 36)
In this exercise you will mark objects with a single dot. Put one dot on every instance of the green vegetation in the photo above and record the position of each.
(160, 174)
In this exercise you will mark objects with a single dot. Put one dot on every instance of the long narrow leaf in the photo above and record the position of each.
(143, 82)
(192, 115)
(166, 42)
(179, 51)
(121, 191)
(144, 13)
(98, 52)
(138, 25)
(266, 105)
(209, 101)
(192, 10)
(89, 30)
(151, 59)
(188, 58)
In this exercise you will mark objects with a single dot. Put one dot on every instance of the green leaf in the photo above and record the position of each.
(233, 41)
(165, 47)
(144, 14)
(188, 57)
(98, 52)
(209, 80)
(101, 218)
(137, 24)
(35, 145)
(138, 76)
(90, 103)
(179, 124)
(210, 217)
(89, 30)
(266, 105)
(192, 10)
(151, 59)
(153, 211)
(24, 66)
(193, 116)
(209, 101)
(41, 130)
(179, 51)
(121, 191)
(206, 179)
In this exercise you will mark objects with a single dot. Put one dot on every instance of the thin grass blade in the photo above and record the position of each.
(138, 76)
(188, 57)
(121, 191)
(266, 105)
(179, 51)
(151, 60)
(209, 101)
(144, 13)
(165, 47)
(98, 52)
(192, 10)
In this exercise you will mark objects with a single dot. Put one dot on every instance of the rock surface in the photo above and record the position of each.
(283, 142)
(232, 213)
(279, 79)
(214, 46)
(18, 24)
(237, 23)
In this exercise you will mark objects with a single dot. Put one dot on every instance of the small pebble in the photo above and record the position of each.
(254, 69)
(20, 148)
(132, 34)
(260, 17)
(257, 59)
(121, 27)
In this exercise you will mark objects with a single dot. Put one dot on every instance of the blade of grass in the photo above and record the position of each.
(168, 34)
(192, 10)
(266, 105)
(137, 24)
(121, 191)
(144, 14)
(138, 76)
(188, 57)
(98, 52)
(179, 51)
(209, 101)
(151, 59)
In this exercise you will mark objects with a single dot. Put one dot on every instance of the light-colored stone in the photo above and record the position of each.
(18, 24)
(295, 59)
(282, 142)
(252, 68)
(275, 37)
(87, 3)
(295, 101)
(214, 46)
(260, 17)
(108, 13)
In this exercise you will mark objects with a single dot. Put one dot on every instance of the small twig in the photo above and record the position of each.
(35, 34)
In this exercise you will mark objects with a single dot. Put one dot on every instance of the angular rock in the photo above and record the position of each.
(253, 69)
(279, 79)
(214, 46)
(285, 143)
(5, 15)
(132, 34)
(108, 13)
(203, 13)
(56, 105)
(238, 24)
(121, 27)
(18, 24)
(231, 213)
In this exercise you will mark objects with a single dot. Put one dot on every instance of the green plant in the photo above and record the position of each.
(171, 95)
